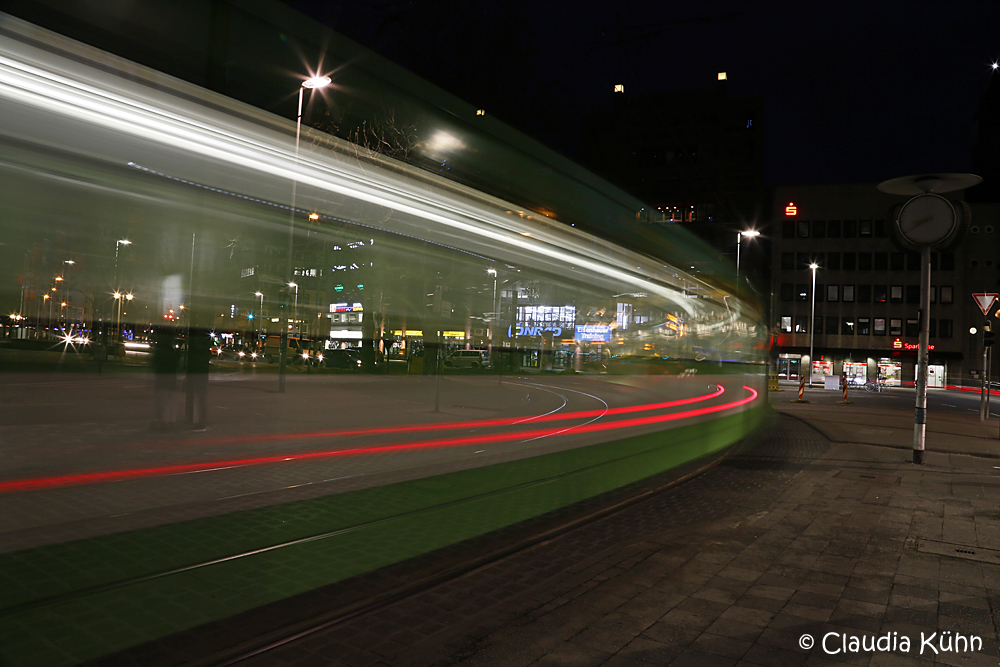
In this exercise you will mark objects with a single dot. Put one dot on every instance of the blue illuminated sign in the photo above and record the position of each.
(593, 333)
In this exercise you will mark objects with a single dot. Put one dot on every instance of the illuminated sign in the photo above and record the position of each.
(791, 209)
(593, 333)
(528, 330)
(345, 307)
(900, 345)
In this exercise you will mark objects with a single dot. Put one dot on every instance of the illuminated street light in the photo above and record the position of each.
(750, 233)
(295, 309)
(812, 322)
(311, 83)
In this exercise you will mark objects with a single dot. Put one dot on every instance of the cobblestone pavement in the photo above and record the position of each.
(798, 536)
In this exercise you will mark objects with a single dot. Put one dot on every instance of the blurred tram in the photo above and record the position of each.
(503, 363)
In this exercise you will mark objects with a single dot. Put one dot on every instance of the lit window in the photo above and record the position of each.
(480, 112)
(619, 87)
(722, 76)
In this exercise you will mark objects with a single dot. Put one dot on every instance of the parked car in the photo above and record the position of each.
(345, 359)
(467, 359)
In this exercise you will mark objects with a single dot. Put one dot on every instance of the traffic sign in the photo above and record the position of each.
(985, 301)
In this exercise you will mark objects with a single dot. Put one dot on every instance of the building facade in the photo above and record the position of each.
(867, 291)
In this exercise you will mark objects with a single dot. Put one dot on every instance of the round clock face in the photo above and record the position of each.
(926, 219)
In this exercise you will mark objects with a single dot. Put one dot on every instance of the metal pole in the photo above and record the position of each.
(812, 326)
(283, 346)
(982, 390)
(920, 410)
(989, 374)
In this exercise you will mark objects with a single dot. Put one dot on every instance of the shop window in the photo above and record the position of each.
(946, 294)
(879, 329)
(801, 324)
(803, 229)
(819, 229)
(786, 324)
(832, 325)
(801, 292)
(787, 261)
(864, 293)
(895, 327)
(864, 228)
(912, 328)
(913, 294)
(850, 229)
(847, 294)
(833, 261)
(896, 294)
(847, 326)
(833, 229)
(881, 293)
(787, 291)
(833, 293)
(944, 329)
(864, 261)
(849, 261)
(896, 261)
(864, 326)
(881, 261)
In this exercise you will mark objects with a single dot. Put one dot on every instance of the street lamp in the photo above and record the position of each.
(750, 233)
(311, 83)
(295, 309)
(812, 322)
(493, 318)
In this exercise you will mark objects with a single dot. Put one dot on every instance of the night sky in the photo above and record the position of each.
(854, 91)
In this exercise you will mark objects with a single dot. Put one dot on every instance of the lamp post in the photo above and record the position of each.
(493, 317)
(750, 233)
(812, 322)
(311, 83)
(295, 308)
(260, 315)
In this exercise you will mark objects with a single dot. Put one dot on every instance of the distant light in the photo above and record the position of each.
(619, 87)
(995, 65)
(814, 265)
(292, 285)
(59, 278)
(750, 232)
(722, 76)
(974, 330)
(480, 112)
(255, 294)
(317, 82)
(125, 242)
(314, 216)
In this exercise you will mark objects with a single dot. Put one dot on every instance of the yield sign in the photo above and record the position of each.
(985, 301)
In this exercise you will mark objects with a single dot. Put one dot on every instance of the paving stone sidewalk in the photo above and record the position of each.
(798, 537)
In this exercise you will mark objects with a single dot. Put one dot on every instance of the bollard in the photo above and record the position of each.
(843, 381)
(802, 389)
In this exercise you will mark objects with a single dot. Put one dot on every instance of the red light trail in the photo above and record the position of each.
(36, 483)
